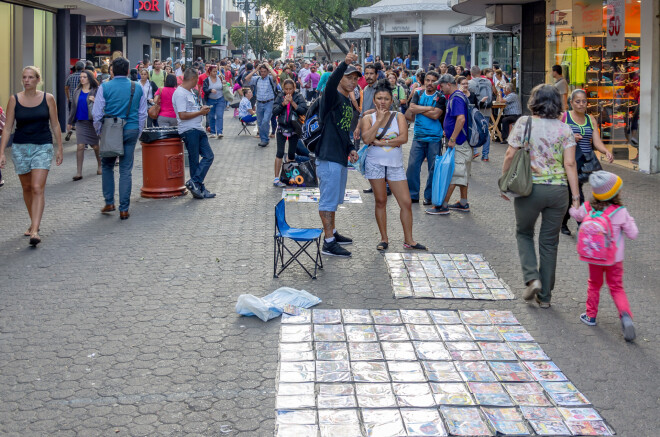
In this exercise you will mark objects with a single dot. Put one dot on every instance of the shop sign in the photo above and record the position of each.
(587, 17)
(401, 25)
(616, 26)
(99, 30)
(150, 5)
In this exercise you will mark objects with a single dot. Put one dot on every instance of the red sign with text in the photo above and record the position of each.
(150, 5)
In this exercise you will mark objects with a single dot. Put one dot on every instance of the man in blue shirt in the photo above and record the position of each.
(408, 61)
(457, 107)
(265, 89)
(427, 105)
(369, 59)
(114, 98)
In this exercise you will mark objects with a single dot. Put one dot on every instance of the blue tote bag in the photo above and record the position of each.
(442, 173)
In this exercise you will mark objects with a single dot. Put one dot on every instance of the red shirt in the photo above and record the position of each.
(362, 82)
(200, 81)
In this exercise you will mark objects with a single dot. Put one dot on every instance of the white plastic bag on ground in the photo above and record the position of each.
(269, 307)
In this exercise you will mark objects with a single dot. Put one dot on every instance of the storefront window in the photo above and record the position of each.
(577, 41)
(392, 46)
(452, 49)
(481, 51)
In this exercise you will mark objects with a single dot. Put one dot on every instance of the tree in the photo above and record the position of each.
(271, 35)
(325, 19)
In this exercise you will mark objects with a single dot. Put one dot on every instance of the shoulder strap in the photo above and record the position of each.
(611, 210)
(528, 132)
(587, 207)
(130, 101)
(387, 125)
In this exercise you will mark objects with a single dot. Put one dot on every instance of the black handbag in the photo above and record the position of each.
(301, 174)
(587, 163)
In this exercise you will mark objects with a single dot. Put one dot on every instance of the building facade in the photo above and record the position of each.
(611, 49)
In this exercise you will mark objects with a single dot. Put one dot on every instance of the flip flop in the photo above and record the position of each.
(417, 246)
(382, 245)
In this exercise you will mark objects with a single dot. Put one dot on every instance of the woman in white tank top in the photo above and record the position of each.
(384, 163)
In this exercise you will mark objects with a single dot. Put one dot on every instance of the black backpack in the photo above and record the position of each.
(312, 128)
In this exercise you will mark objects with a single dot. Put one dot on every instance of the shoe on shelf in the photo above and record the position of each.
(334, 249)
(565, 230)
(532, 289)
(277, 183)
(458, 207)
(628, 327)
(438, 210)
(427, 202)
(340, 239)
(584, 318)
(194, 189)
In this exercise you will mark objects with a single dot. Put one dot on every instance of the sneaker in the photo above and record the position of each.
(565, 230)
(532, 288)
(457, 206)
(263, 144)
(591, 321)
(2, 182)
(427, 202)
(194, 189)
(627, 327)
(206, 193)
(544, 305)
(485, 159)
(277, 183)
(438, 210)
(334, 249)
(340, 239)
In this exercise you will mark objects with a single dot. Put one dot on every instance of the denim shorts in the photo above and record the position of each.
(28, 157)
(378, 171)
(332, 184)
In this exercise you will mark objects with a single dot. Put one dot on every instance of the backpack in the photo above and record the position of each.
(312, 128)
(272, 84)
(484, 89)
(595, 243)
(476, 125)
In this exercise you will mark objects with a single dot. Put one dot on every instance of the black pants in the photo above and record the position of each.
(507, 121)
(281, 141)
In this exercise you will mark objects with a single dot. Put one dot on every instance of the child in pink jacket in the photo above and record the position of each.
(605, 187)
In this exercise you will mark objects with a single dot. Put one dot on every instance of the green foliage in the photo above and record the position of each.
(271, 35)
(275, 54)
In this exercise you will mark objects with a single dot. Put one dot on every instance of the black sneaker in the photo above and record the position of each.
(427, 202)
(341, 239)
(458, 207)
(194, 189)
(207, 194)
(414, 200)
(438, 210)
(334, 249)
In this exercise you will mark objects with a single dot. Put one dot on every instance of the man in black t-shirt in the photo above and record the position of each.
(334, 150)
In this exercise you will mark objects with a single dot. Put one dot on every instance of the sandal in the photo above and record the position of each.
(417, 246)
(382, 245)
(34, 240)
(29, 232)
(76, 178)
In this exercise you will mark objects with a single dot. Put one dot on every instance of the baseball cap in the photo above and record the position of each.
(350, 70)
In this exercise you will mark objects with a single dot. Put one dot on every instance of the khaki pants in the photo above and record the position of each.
(549, 201)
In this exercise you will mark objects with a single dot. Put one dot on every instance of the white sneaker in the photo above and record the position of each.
(219, 136)
(531, 290)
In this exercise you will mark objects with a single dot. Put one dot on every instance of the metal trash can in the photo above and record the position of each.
(163, 171)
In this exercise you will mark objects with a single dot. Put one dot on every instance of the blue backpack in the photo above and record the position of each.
(476, 125)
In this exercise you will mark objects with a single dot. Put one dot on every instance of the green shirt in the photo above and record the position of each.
(158, 78)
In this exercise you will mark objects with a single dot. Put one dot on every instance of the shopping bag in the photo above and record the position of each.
(301, 174)
(272, 305)
(359, 165)
(442, 174)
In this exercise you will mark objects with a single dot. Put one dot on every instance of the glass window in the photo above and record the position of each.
(452, 49)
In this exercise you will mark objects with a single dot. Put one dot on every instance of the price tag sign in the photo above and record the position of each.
(615, 26)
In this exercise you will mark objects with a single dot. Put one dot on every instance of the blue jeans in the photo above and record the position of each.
(216, 114)
(125, 173)
(264, 112)
(418, 151)
(197, 143)
(249, 118)
(486, 149)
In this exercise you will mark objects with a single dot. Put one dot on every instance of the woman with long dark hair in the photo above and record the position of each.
(167, 116)
(384, 163)
(35, 114)
(289, 106)
(80, 116)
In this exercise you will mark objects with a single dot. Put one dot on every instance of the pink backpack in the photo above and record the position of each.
(595, 243)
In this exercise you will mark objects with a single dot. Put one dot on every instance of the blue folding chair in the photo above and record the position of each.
(303, 237)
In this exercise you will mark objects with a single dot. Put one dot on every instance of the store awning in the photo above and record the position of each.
(478, 7)
(478, 26)
(400, 6)
(363, 32)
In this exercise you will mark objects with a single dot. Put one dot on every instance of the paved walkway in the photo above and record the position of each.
(128, 328)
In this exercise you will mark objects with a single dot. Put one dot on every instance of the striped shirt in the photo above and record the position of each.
(586, 130)
(512, 104)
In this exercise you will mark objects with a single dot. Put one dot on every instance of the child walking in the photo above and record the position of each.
(606, 205)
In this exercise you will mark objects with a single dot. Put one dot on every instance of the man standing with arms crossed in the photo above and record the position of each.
(334, 150)
(367, 103)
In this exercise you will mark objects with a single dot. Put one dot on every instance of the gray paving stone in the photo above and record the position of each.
(130, 326)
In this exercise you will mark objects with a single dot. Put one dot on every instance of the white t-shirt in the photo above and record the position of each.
(186, 101)
(389, 156)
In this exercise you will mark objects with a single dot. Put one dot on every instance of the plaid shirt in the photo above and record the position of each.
(512, 105)
(72, 82)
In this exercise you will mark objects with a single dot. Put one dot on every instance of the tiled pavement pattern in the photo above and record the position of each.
(390, 373)
(128, 327)
(312, 195)
(444, 276)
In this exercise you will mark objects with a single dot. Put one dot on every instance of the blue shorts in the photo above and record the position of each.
(28, 157)
(332, 184)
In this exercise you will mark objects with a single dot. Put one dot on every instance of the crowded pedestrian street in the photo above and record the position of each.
(115, 327)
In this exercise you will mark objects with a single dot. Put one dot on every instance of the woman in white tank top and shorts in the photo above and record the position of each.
(384, 163)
